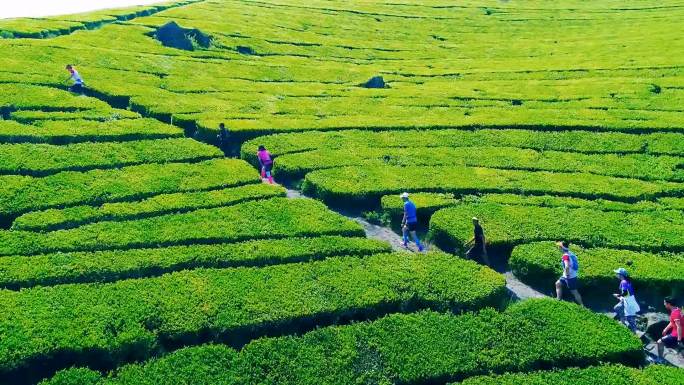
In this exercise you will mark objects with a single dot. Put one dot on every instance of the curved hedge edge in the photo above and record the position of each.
(162, 313)
(610, 374)
(654, 275)
(364, 186)
(506, 226)
(109, 266)
(71, 217)
(528, 336)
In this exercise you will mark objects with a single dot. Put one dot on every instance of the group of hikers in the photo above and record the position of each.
(626, 309)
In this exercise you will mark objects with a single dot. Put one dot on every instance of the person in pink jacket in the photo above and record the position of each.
(266, 163)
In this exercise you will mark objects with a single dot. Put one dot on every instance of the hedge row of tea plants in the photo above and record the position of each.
(655, 275)
(365, 186)
(78, 131)
(506, 226)
(262, 219)
(428, 203)
(46, 159)
(99, 115)
(420, 348)
(20, 194)
(572, 141)
(114, 265)
(48, 27)
(58, 219)
(638, 166)
(604, 374)
(107, 324)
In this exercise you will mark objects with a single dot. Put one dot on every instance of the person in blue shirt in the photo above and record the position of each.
(409, 224)
(628, 307)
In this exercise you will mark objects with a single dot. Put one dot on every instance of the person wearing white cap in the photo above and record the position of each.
(479, 248)
(628, 307)
(409, 223)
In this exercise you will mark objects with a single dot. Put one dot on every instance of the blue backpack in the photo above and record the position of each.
(574, 262)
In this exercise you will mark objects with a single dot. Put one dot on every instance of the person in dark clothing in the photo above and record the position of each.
(223, 139)
(478, 242)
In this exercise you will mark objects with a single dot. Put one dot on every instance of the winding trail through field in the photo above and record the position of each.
(516, 288)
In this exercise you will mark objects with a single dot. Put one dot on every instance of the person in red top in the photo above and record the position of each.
(672, 334)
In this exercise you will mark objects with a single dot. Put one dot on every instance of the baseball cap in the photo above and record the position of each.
(621, 271)
(404, 195)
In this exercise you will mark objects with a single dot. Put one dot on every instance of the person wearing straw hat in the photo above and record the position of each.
(627, 307)
(409, 223)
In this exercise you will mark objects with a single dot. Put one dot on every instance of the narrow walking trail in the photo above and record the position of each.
(517, 289)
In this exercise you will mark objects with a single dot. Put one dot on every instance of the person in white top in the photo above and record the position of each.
(79, 84)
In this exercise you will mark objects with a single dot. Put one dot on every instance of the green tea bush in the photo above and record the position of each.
(604, 374)
(20, 194)
(58, 219)
(653, 275)
(269, 218)
(428, 203)
(507, 226)
(420, 348)
(638, 166)
(113, 265)
(106, 324)
(366, 185)
(587, 142)
(77, 131)
(45, 159)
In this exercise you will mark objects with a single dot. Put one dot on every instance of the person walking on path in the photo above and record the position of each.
(266, 163)
(570, 269)
(628, 307)
(479, 245)
(672, 334)
(409, 223)
(223, 139)
(79, 84)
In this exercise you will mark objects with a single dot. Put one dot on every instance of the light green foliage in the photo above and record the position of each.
(20, 194)
(56, 219)
(269, 218)
(424, 347)
(112, 265)
(76, 131)
(45, 159)
(366, 185)
(134, 318)
(653, 275)
(588, 142)
(294, 166)
(506, 226)
(606, 374)
(428, 203)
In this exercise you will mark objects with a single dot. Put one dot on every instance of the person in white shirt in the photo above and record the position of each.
(79, 84)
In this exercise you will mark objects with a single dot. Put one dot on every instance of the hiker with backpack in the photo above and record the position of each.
(409, 223)
(672, 334)
(628, 307)
(79, 84)
(479, 246)
(570, 265)
(266, 163)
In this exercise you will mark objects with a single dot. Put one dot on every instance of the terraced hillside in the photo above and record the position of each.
(133, 250)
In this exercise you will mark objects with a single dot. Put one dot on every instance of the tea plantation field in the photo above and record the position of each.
(134, 250)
